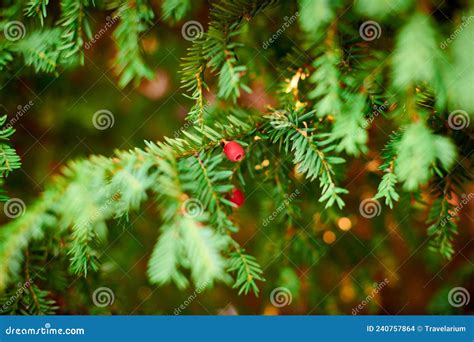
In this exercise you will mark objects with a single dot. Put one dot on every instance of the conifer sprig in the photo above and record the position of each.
(125, 182)
(75, 26)
(248, 271)
(9, 159)
(310, 155)
(37, 8)
(327, 89)
(135, 18)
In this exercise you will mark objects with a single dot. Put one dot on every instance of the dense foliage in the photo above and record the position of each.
(362, 91)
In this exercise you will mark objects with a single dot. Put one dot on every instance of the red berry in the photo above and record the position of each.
(233, 151)
(237, 197)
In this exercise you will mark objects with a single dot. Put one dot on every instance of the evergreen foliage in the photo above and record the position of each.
(175, 9)
(321, 124)
(9, 159)
(37, 8)
(73, 22)
(135, 19)
(311, 159)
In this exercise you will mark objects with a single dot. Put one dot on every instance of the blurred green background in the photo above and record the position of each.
(59, 127)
